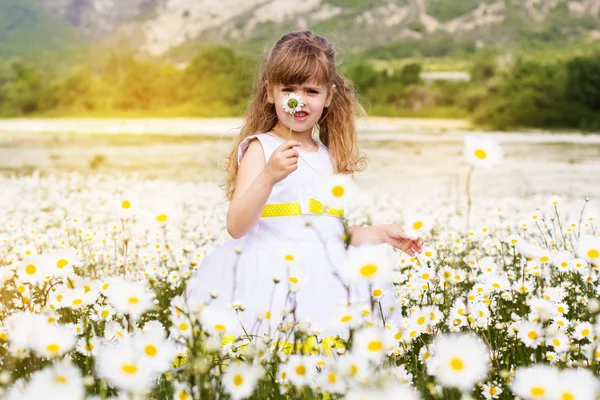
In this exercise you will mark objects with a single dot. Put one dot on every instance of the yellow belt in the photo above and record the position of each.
(290, 209)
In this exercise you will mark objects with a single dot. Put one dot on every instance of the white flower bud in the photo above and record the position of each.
(4, 377)
(593, 306)
(125, 236)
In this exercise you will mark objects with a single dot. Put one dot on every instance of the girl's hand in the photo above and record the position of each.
(283, 161)
(395, 236)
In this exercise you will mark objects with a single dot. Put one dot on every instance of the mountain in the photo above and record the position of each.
(176, 27)
(27, 29)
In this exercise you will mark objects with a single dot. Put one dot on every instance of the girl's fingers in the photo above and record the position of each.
(290, 153)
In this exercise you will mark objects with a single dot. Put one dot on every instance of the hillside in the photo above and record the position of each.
(29, 30)
(379, 28)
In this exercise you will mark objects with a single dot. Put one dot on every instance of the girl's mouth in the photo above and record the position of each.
(300, 116)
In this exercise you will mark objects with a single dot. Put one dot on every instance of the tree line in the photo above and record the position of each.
(217, 83)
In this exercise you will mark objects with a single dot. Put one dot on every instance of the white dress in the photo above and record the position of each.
(244, 270)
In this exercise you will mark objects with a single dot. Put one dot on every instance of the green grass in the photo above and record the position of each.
(428, 64)
(430, 112)
(27, 30)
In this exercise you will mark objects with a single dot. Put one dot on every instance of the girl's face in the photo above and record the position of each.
(316, 97)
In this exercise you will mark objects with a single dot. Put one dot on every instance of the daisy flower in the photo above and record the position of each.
(530, 333)
(62, 261)
(589, 249)
(370, 343)
(122, 366)
(32, 269)
(219, 320)
(459, 361)
(331, 380)
(157, 352)
(562, 260)
(130, 297)
(480, 151)
(62, 380)
(347, 316)
(298, 370)
(417, 226)
(338, 190)
(535, 382)
(560, 342)
(88, 348)
(292, 103)
(354, 367)
(240, 379)
(577, 384)
(583, 330)
(490, 390)
(368, 263)
(53, 340)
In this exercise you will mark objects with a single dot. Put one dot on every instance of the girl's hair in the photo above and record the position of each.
(296, 58)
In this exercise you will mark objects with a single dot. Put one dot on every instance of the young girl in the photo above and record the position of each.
(287, 259)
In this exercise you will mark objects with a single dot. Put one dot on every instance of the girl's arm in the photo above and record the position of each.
(254, 183)
(391, 234)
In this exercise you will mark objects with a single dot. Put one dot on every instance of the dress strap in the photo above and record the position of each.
(269, 144)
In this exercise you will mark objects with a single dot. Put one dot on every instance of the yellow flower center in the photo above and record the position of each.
(30, 269)
(61, 379)
(418, 225)
(60, 264)
(133, 300)
(150, 350)
(129, 369)
(289, 257)
(161, 218)
(537, 391)
(300, 370)
(293, 279)
(126, 204)
(532, 335)
(368, 270)
(183, 326)
(585, 332)
(220, 327)
(346, 318)
(421, 320)
(593, 253)
(238, 379)
(353, 370)
(104, 313)
(377, 292)
(77, 302)
(375, 345)
(52, 348)
(567, 396)
(456, 364)
(332, 377)
(481, 154)
(338, 191)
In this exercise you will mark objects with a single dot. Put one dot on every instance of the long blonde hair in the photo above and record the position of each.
(296, 58)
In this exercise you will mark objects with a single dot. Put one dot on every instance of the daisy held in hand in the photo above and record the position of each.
(292, 103)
